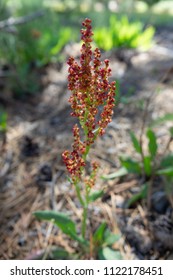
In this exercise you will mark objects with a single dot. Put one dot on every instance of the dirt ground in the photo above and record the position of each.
(33, 176)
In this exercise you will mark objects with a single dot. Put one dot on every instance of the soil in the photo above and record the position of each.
(33, 176)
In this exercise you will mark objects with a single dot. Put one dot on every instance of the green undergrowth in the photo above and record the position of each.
(149, 165)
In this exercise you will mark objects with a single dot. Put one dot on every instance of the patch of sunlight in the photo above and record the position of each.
(141, 7)
(163, 7)
(60, 6)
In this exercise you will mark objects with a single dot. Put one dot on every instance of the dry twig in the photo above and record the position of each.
(8, 24)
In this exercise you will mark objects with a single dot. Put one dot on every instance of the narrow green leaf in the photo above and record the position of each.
(131, 165)
(167, 161)
(107, 253)
(3, 121)
(69, 180)
(59, 254)
(166, 117)
(136, 143)
(136, 197)
(119, 173)
(152, 144)
(95, 195)
(147, 165)
(62, 221)
(110, 238)
(166, 171)
(98, 236)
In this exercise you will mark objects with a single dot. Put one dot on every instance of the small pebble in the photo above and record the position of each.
(160, 202)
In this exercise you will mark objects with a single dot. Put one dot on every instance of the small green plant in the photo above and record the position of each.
(42, 42)
(3, 121)
(122, 33)
(91, 91)
(149, 165)
(33, 45)
(3, 125)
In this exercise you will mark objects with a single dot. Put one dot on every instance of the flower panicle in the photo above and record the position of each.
(90, 87)
(91, 91)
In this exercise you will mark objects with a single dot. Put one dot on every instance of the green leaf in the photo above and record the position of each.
(98, 236)
(54, 254)
(147, 165)
(144, 39)
(136, 143)
(3, 121)
(64, 37)
(171, 131)
(123, 33)
(60, 254)
(69, 180)
(95, 195)
(131, 165)
(110, 238)
(152, 144)
(136, 197)
(119, 173)
(107, 253)
(58, 218)
(166, 171)
(167, 161)
(166, 117)
(62, 221)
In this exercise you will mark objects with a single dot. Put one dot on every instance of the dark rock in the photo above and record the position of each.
(44, 176)
(160, 202)
(45, 173)
(29, 147)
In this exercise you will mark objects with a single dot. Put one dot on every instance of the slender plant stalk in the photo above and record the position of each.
(144, 119)
(85, 211)
(84, 220)
(78, 192)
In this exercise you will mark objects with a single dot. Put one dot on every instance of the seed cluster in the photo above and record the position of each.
(91, 91)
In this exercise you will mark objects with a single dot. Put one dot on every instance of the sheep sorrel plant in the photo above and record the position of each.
(91, 91)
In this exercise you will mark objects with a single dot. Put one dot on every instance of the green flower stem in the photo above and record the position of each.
(85, 207)
(85, 212)
(85, 201)
(86, 152)
(84, 220)
(78, 192)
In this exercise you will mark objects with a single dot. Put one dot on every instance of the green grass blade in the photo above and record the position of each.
(136, 143)
(119, 173)
(152, 144)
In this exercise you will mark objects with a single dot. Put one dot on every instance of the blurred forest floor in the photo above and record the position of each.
(40, 129)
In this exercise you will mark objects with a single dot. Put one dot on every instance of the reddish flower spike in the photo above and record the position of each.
(91, 90)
